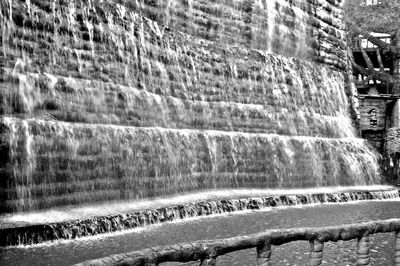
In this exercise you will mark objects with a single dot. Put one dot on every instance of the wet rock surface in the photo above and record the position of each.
(111, 100)
(32, 234)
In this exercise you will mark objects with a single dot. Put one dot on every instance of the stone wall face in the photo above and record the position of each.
(393, 141)
(127, 100)
(392, 152)
(368, 118)
(375, 120)
(311, 29)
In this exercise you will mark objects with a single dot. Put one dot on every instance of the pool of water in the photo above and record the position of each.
(68, 252)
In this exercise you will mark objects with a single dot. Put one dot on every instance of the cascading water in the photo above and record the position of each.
(106, 101)
(121, 217)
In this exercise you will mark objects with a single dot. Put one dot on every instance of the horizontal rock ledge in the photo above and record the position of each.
(39, 233)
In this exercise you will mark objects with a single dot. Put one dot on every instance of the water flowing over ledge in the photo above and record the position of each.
(58, 163)
(142, 101)
(13, 234)
(285, 103)
(121, 100)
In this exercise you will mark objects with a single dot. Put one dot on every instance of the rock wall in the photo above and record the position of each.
(105, 100)
(392, 144)
(367, 118)
(375, 119)
(391, 153)
(265, 95)
(311, 29)
(61, 163)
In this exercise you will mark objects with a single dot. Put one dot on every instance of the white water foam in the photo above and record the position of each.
(108, 208)
(146, 228)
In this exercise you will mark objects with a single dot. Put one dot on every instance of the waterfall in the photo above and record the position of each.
(131, 100)
(76, 162)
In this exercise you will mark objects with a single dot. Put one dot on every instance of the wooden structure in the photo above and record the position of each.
(377, 97)
(207, 252)
(369, 56)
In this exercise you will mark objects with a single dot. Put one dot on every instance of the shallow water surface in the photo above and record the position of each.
(67, 252)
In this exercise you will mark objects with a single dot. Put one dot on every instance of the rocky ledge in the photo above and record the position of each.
(34, 234)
